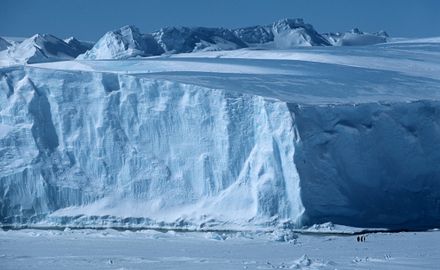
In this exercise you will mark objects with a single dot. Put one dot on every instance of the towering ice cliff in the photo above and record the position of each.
(257, 138)
(128, 147)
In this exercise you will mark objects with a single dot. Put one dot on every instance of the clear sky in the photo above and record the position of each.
(90, 19)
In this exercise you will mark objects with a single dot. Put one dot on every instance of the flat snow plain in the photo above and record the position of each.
(391, 72)
(109, 249)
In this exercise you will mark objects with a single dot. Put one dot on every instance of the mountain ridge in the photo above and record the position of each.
(128, 41)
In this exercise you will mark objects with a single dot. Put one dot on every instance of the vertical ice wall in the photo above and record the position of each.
(370, 165)
(96, 144)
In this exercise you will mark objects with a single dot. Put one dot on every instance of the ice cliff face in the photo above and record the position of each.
(108, 145)
(225, 140)
(102, 149)
(370, 165)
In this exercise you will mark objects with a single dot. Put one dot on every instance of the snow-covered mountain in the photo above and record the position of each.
(189, 39)
(123, 43)
(40, 48)
(290, 33)
(284, 34)
(225, 140)
(4, 44)
(255, 34)
(79, 46)
(128, 42)
(356, 38)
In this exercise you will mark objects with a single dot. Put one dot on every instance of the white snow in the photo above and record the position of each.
(148, 249)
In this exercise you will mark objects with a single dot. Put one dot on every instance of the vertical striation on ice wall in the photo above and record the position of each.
(107, 149)
(107, 145)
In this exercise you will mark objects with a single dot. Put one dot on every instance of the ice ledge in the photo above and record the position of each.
(138, 146)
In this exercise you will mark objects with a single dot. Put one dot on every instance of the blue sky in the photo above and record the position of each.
(89, 19)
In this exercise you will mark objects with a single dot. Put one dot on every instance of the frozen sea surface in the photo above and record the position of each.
(109, 249)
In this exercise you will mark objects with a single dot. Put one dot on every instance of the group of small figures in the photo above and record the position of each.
(361, 238)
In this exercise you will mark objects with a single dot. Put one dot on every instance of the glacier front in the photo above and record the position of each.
(237, 139)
